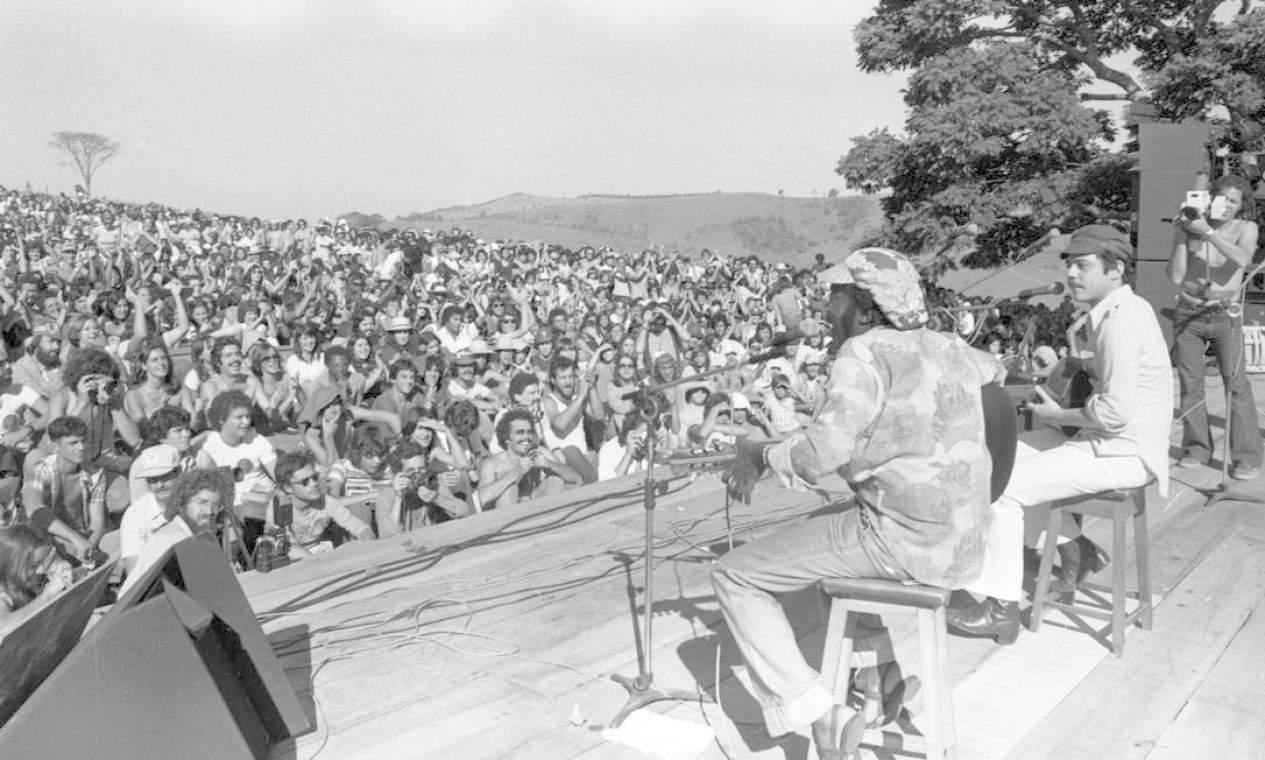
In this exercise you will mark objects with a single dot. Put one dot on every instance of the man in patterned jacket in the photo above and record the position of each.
(903, 424)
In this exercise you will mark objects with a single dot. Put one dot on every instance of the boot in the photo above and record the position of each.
(1078, 559)
(991, 617)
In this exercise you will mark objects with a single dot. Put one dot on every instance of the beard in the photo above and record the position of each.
(49, 359)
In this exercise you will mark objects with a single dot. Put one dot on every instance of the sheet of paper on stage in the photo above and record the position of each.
(661, 736)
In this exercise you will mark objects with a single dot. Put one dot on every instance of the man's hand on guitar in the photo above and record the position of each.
(748, 466)
(1044, 405)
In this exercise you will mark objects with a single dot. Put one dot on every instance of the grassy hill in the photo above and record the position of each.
(773, 227)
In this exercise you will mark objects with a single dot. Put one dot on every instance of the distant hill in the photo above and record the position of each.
(773, 227)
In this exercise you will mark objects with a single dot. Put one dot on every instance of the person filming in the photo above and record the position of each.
(1211, 248)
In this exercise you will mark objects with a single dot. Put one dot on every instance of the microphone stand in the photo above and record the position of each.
(641, 688)
(1222, 491)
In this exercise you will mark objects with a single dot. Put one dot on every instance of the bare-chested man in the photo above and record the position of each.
(523, 470)
(226, 356)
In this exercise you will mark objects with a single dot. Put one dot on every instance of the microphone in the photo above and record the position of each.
(1053, 289)
(806, 329)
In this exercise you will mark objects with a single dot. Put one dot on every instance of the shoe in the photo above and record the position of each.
(1078, 559)
(843, 734)
(883, 692)
(1246, 473)
(1189, 462)
(991, 617)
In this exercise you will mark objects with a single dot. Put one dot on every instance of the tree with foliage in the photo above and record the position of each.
(997, 132)
(86, 152)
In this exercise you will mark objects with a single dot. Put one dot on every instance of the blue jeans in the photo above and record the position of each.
(747, 582)
(1193, 331)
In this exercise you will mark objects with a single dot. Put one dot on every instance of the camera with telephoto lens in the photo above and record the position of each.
(104, 389)
(272, 550)
(1201, 203)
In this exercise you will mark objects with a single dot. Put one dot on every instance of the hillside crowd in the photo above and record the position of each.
(298, 385)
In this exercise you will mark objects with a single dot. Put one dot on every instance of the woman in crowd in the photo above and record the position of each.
(31, 573)
(157, 386)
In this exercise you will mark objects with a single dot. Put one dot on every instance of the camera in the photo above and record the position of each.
(1200, 203)
(105, 388)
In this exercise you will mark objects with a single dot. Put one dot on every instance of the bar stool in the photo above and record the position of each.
(1118, 506)
(848, 596)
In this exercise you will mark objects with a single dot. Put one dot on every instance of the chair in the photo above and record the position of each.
(849, 596)
(1119, 507)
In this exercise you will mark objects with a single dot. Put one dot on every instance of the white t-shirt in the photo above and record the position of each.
(304, 372)
(255, 485)
(11, 404)
(141, 520)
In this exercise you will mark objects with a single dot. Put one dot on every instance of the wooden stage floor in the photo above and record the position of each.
(496, 636)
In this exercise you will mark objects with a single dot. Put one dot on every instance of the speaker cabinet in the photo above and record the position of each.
(178, 668)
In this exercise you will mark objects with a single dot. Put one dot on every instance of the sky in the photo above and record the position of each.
(289, 108)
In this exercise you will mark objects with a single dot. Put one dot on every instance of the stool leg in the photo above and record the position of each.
(836, 654)
(949, 728)
(933, 674)
(1119, 589)
(1046, 569)
(1142, 544)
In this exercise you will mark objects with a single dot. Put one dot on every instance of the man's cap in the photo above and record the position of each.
(479, 346)
(890, 278)
(156, 461)
(1098, 238)
(399, 324)
(464, 358)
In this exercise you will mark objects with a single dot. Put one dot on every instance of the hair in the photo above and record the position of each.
(1240, 183)
(365, 442)
(427, 363)
(217, 349)
(407, 448)
(289, 463)
(448, 313)
(163, 421)
(88, 361)
(503, 424)
(560, 363)
(401, 365)
(19, 574)
(335, 351)
(521, 382)
(156, 343)
(258, 352)
(224, 404)
(632, 421)
(195, 481)
(307, 329)
(462, 417)
(74, 326)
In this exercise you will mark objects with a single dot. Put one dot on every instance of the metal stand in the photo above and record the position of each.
(642, 689)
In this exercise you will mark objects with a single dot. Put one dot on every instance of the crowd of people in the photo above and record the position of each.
(321, 384)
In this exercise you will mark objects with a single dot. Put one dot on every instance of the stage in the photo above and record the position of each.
(495, 637)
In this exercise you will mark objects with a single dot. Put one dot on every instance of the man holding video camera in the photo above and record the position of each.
(1214, 242)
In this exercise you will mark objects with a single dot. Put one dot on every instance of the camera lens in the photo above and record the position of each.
(1190, 213)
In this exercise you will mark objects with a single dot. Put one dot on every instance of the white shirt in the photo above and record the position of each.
(255, 486)
(141, 520)
(170, 534)
(1133, 383)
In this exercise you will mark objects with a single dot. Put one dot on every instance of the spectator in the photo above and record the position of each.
(31, 573)
(314, 511)
(193, 509)
(523, 471)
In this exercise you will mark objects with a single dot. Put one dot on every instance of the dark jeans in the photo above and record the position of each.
(1194, 330)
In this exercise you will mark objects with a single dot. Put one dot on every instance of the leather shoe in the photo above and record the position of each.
(1078, 559)
(991, 617)
(883, 692)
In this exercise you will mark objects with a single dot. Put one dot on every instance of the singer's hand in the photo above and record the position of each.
(748, 466)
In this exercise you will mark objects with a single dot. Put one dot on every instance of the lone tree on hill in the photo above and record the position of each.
(87, 152)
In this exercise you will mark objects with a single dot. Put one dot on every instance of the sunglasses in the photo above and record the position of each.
(309, 480)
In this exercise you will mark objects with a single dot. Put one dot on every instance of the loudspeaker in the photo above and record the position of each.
(179, 667)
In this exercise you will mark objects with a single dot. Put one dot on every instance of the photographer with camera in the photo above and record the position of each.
(1213, 243)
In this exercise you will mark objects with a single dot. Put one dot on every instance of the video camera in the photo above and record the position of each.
(1201, 203)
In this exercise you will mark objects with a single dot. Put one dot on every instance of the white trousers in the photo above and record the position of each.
(1048, 467)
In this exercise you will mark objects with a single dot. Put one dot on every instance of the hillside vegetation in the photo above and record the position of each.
(773, 227)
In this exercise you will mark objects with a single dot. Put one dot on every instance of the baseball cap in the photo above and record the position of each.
(156, 461)
(399, 324)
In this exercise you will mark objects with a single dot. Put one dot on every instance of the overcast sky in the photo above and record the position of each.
(315, 107)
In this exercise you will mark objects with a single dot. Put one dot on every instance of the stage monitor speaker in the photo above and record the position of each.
(178, 668)
(33, 650)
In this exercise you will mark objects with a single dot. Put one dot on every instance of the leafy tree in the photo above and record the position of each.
(86, 152)
(995, 133)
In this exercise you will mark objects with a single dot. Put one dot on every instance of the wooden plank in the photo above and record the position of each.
(1126, 704)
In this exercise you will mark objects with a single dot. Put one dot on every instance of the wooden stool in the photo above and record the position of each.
(852, 595)
(1118, 506)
